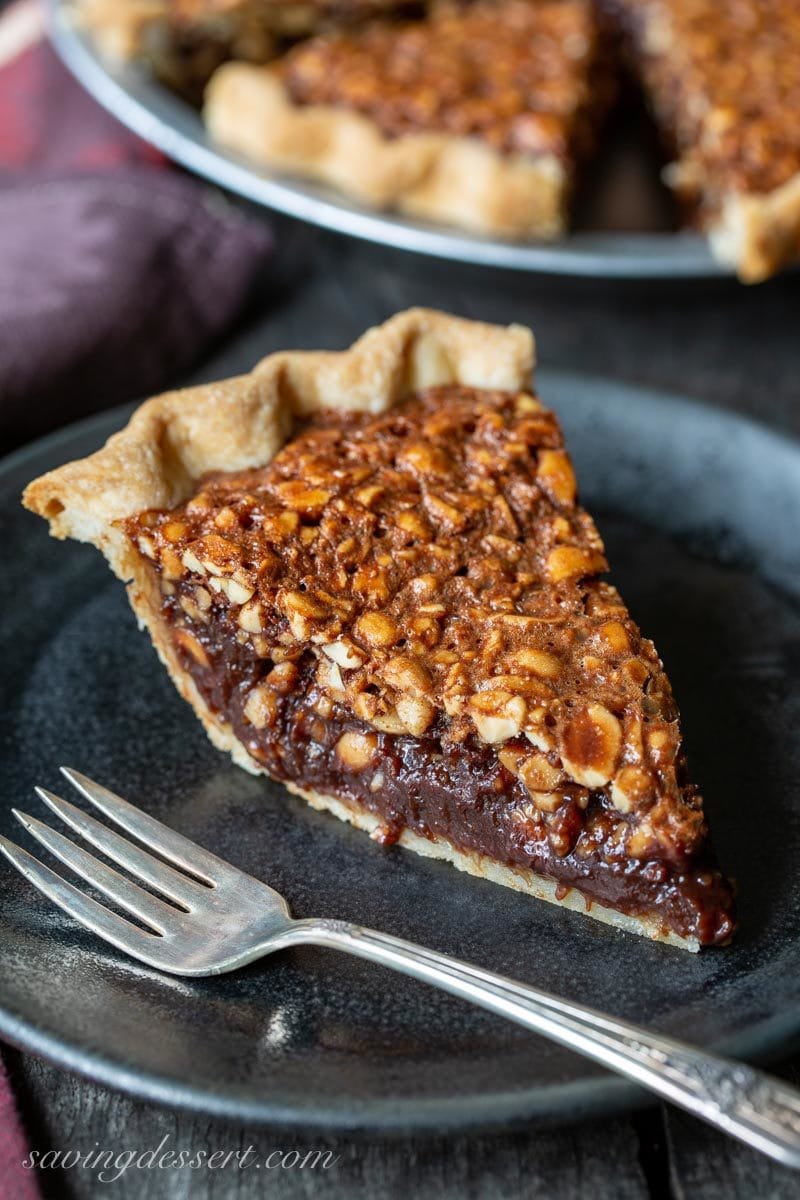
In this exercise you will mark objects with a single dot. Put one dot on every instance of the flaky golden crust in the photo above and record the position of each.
(434, 176)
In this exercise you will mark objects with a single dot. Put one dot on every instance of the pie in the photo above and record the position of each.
(477, 114)
(723, 81)
(369, 574)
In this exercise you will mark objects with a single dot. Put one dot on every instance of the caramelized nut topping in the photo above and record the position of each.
(433, 564)
(526, 76)
(376, 630)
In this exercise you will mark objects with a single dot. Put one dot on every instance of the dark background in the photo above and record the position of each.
(718, 342)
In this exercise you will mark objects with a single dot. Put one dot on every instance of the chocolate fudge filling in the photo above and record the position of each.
(403, 611)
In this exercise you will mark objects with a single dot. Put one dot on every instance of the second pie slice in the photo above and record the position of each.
(478, 115)
(369, 574)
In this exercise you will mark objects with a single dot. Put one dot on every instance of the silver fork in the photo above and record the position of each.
(218, 918)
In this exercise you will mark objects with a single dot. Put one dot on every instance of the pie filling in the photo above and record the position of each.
(459, 792)
(403, 611)
(526, 77)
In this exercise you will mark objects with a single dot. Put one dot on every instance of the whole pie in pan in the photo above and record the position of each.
(477, 114)
(370, 576)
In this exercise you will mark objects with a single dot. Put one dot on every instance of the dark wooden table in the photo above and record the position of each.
(718, 342)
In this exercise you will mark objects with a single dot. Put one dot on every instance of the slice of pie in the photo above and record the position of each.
(478, 114)
(724, 84)
(369, 574)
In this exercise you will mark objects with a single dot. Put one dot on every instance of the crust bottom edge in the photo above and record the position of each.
(520, 879)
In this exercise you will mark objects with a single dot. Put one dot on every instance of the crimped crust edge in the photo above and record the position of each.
(175, 438)
(433, 176)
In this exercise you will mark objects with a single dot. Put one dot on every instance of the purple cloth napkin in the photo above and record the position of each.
(110, 285)
(117, 272)
(16, 1183)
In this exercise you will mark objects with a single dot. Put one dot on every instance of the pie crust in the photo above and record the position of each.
(474, 116)
(173, 441)
(758, 235)
(433, 176)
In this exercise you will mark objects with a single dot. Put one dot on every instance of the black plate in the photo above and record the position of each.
(701, 511)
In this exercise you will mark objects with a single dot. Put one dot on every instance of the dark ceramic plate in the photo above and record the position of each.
(701, 511)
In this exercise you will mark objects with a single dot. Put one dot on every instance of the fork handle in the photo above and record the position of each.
(741, 1101)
